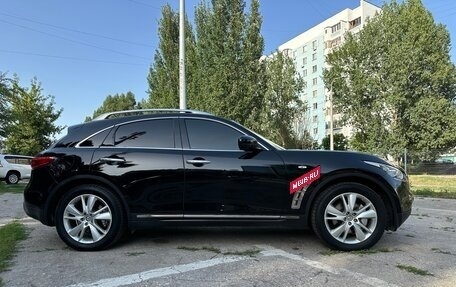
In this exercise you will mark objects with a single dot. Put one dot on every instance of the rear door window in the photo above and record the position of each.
(146, 134)
(96, 140)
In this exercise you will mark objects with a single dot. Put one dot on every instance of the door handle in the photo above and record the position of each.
(198, 162)
(111, 160)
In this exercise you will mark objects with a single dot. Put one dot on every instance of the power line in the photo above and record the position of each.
(69, 58)
(76, 31)
(73, 41)
(145, 4)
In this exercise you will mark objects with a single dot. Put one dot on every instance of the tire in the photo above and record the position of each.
(90, 218)
(357, 224)
(12, 177)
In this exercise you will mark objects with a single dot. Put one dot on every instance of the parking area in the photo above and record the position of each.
(421, 253)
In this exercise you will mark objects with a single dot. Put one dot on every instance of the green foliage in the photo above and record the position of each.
(118, 102)
(12, 188)
(394, 81)
(10, 235)
(414, 270)
(30, 127)
(5, 95)
(224, 74)
(282, 105)
(163, 75)
(340, 142)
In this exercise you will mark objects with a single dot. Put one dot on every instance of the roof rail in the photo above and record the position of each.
(126, 113)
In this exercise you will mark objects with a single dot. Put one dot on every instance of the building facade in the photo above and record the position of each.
(309, 51)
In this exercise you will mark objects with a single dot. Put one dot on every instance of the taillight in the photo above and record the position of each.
(42, 161)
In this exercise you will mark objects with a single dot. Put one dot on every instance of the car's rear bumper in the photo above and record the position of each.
(35, 212)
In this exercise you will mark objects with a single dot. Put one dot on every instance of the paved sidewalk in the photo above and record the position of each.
(11, 207)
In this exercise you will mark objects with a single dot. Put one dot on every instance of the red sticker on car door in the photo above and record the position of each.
(305, 180)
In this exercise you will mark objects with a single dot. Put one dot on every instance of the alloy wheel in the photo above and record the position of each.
(87, 218)
(350, 218)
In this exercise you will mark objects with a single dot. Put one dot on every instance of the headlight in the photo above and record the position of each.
(390, 170)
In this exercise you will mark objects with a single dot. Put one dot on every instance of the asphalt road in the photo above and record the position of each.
(240, 257)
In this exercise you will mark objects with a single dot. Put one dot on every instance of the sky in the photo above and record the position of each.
(82, 51)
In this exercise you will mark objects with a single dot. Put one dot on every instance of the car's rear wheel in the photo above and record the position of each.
(349, 216)
(12, 177)
(90, 217)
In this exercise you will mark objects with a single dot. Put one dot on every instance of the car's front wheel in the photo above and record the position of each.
(90, 217)
(349, 216)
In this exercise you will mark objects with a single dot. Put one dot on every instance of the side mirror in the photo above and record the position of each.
(248, 143)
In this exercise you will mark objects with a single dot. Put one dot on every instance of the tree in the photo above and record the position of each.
(118, 102)
(163, 75)
(5, 96)
(224, 74)
(228, 51)
(282, 103)
(340, 142)
(32, 117)
(394, 81)
(302, 137)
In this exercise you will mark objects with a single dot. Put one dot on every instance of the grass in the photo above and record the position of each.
(12, 188)
(438, 250)
(330, 252)
(134, 253)
(205, 248)
(249, 252)
(10, 235)
(414, 270)
(441, 186)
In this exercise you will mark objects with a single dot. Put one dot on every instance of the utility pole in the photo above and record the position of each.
(331, 115)
(182, 88)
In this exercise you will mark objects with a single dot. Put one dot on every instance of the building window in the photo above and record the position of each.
(294, 54)
(355, 23)
(314, 45)
(314, 69)
(335, 28)
(305, 84)
(315, 119)
(314, 81)
(314, 56)
(314, 93)
(304, 61)
(315, 131)
(304, 73)
(315, 106)
(304, 48)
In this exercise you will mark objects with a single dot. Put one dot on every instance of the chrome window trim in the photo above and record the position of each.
(161, 118)
(117, 125)
(139, 147)
(78, 145)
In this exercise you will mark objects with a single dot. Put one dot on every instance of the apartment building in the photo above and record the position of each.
(309, 51)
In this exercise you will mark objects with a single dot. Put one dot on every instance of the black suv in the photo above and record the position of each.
(139, 169)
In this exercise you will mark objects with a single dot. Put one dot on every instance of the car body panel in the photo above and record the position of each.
(186, 184)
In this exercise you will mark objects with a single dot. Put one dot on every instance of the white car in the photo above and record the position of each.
(14, 168)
